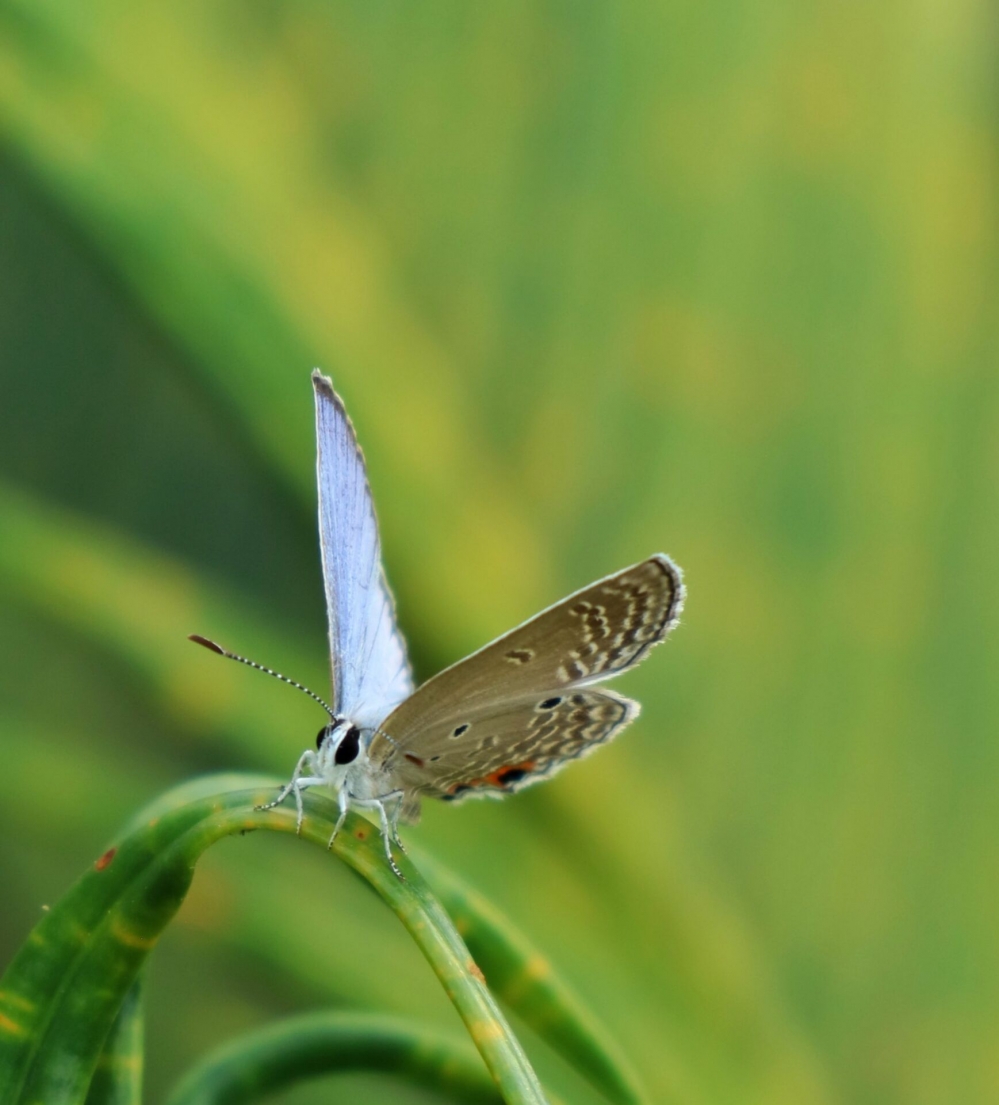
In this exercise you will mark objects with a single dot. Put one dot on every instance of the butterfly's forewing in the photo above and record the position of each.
(507, 747)
(590, 636)
(371, 673)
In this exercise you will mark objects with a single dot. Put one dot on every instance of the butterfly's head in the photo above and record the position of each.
(339, 745)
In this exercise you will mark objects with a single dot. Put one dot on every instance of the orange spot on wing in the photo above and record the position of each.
(498, 778)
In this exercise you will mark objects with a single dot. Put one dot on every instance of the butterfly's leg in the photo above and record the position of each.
(300, 784)
(343, 797)
(379, 805)
(393, 818)
(387, 833)
(396, 812)
(306, 760)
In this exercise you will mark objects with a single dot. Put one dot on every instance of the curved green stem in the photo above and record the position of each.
(526, 982)
(280, 1055)
(61, 993)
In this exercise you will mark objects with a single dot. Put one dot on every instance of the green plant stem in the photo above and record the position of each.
(526, 981)
(118, 1076)
(314, 1044)
(61, 993)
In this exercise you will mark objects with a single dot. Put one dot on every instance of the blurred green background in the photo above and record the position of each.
(595, 280)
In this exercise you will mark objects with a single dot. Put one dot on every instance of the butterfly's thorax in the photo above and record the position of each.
(360, 777)
(365, 781)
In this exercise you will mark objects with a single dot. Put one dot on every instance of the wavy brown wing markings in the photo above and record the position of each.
(590, 636)
(507, 748)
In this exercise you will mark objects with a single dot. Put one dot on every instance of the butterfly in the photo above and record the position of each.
(507, 716)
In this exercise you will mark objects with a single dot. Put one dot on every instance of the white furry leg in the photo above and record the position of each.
(387, 837)
(387, 832)
(396, 812)
(298, 783)
(344, 799)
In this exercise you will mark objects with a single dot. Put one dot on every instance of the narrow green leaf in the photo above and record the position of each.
(524, 979)
(142, 604)
(118, 1076)
(280, 1055)
(63, 990)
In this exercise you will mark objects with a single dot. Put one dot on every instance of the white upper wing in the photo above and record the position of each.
(371, 674)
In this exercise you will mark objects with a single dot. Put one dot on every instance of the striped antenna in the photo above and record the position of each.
(205, 643)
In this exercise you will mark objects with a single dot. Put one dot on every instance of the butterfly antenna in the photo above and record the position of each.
(205, 643)
(382, 733)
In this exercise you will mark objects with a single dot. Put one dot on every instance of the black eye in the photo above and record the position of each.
(322, 733)
(348, 748)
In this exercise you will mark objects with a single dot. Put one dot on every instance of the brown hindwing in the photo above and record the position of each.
(511, 748)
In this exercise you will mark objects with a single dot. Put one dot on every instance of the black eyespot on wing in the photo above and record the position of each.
(349, 746)
(459, 730)
(321, 735)
(550, 703)
(511, 775)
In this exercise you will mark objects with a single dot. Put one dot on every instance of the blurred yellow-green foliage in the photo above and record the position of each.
(595, 280)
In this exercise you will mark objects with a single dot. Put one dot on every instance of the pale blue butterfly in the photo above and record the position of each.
(509, 715)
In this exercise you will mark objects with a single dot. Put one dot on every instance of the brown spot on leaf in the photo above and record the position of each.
(105, 860)
(475, 970)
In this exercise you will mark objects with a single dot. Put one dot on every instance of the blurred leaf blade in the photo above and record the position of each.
(322, 1043)
(197, 249)
(142, 605)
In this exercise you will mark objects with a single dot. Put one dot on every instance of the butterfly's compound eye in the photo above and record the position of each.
(321, 735)
(349, 746)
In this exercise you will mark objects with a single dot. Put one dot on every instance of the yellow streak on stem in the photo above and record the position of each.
(120, 1062)
(16, 1001)
(483, 1031)
(12, 1028)
(131, 939)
